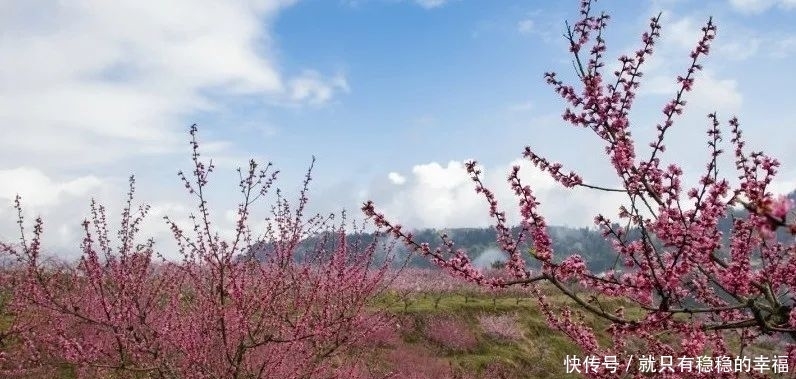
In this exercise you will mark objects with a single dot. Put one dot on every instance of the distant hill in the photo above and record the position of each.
(480, 243)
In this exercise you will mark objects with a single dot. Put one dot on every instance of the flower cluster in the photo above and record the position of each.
(239, 308)
(450, 333)
(691, 287)
(501, 326)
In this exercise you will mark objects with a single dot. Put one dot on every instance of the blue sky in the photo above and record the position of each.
(391, 96)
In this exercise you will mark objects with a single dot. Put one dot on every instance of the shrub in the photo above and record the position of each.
(501, 326)
(683, 288)
(211, 314)
(451, 333)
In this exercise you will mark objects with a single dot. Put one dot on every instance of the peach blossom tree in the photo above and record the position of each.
(680, 288)
(127, 312)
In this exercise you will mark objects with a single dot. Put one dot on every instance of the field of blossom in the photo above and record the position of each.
(443, 328)
(301, 296)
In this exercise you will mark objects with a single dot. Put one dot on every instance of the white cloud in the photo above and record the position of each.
(735, 41)
(712, 91)
(782, 187)
(760, 6)
(542, 24)
(784, 47)
(444, 196)
(93, 81)
(311, 87)
(61, 203)
(396, 178)
(684, 33)
(437, 177)
(709, 93)
(429, 4)
(751, 6)
(38, 189)
(525, 26)
(738, 47)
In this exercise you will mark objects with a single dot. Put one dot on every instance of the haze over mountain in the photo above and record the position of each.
(480, 242)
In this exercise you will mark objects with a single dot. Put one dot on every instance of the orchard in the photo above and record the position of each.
(308, 298)
(693, 291)
(125, 312)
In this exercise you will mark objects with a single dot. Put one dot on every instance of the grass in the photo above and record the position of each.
(539, 353)
(412, 353)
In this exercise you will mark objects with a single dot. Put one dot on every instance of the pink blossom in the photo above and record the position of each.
(691, 285)
(781, 206)
(215, 313)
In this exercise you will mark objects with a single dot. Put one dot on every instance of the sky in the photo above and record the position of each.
(390, 96)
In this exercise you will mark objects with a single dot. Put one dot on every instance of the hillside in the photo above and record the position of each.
(478, 335)
(480, 243)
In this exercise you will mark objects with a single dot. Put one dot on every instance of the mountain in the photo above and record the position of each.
(480, 243)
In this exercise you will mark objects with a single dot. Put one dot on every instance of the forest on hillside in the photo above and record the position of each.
(590, 243)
